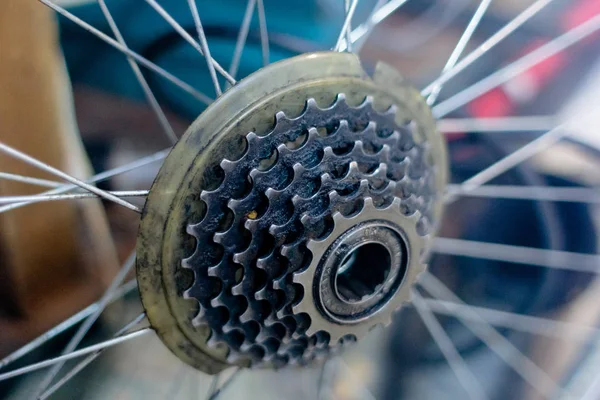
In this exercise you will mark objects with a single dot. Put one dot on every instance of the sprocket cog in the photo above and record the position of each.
(293, 216)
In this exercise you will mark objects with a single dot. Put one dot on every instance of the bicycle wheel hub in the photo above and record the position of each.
(293, 216)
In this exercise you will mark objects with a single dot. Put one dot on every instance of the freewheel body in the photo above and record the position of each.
(293, 216)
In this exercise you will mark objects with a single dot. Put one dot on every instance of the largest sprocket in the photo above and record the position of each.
(293, 215)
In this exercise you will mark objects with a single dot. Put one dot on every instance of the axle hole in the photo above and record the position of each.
(363, 272)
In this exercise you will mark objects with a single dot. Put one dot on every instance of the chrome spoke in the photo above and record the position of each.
(204, 46)
(325, 378)
(63, 326)
(464, 375)
(519, 322)
(486, 46)
(75, 354)
(541, 193)
(142, 162)
(346, 24)
(143, 61)
(501, 124)
(515, 158)
(366, 28)
(264, 34)
(160, 115)
(213, 386)
(30, 180)
(87, 361)
(188, 38)
(460, 47)
(348, 28)
(593, 391)
(366, 393)
(361, 33)
(512, 356)
(517, 254)
(241, 39)
(89, 321)
(45, 167)
(36, 198)
(517, 67)
(225, 384)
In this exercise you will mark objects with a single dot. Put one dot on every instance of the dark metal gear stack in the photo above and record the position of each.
(280, 244)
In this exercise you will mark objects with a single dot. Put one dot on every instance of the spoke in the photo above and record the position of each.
(515, 158)
(213, 386)
(524, 323)
(464, 375)
(63, 326)
(73, 196)
(541, 193)
(241, 39)
(517, 254)
(45, 167)
(30, 180)
(142, 162)
(502, 124)
(188, 38)
(460, 47)
(326, 377)
(89, 321)
(87, 361)
(204, 46)
(160, 115)
(366, 28)
(486, 46)
(225, 384)
(361, 33)
(143, 61)
(349, 28)
(264, 34)
(512, 356)
(75, 354)
(345, 26)
(519, 66)
(593, 391)
(366, 393)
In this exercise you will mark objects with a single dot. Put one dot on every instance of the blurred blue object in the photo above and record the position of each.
(294, 26)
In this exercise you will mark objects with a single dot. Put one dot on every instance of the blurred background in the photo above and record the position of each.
(402, 362)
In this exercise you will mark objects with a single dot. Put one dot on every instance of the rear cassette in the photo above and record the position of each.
(296, 214)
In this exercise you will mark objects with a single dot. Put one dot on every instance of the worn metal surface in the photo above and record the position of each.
(217, 289)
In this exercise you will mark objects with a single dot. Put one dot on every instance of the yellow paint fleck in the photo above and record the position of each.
(252, 214)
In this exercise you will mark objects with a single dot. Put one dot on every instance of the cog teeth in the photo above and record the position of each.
(227, 165)
(297, 268)
(213, 341)
(238, 290)
(280, 116)
(218, 301)
(252, 138)
(262, 294)
(368, 202)
(367, 102)
(215, 270)
(380, 172)
(198, 319)
(311, 104)
(392, 110)
(353, 169)
(359, 147)
(246, 316)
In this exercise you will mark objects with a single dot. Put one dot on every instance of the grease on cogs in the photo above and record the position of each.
(293, 216)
